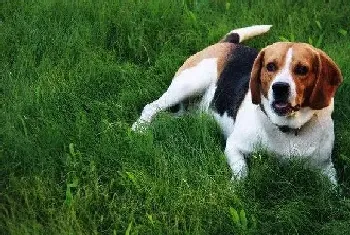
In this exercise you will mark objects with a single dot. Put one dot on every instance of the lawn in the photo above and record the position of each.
(75, 75)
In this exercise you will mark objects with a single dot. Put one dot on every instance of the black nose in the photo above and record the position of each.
(280, 91)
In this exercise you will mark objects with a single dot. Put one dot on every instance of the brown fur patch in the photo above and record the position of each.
(328, 78)
(304, 55)
(219, 50)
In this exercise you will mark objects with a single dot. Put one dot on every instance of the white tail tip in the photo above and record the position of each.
(251, 31)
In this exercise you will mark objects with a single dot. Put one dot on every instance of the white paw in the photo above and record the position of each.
(333, 181)
(331, 173)
(146, 117)
(239, 170)
(139, 126)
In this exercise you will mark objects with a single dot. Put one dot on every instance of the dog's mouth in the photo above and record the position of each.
(282, 108)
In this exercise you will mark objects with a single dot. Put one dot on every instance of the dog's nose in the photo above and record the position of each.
(280, 91)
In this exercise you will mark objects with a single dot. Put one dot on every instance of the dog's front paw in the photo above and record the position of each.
(236, 161)
(239, 170)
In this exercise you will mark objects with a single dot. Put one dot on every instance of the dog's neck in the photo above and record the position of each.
(284, 128)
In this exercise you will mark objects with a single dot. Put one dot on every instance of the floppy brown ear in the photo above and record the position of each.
(255, 82)
(328, 78)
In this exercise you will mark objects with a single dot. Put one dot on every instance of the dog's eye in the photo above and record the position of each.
(271, 67)
(301, 70)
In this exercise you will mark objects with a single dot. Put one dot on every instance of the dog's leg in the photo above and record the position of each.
(236, 161)
(331, 173)
(190, 82)
(244, 138)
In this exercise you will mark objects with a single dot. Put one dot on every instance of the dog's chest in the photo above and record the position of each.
(314, 141)
(253, 130)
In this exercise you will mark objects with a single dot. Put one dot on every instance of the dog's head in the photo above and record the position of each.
(292, 80)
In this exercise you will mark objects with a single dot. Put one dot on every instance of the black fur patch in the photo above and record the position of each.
(233, 83)
(232, 38)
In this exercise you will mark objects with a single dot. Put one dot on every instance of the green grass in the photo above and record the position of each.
(76, 74)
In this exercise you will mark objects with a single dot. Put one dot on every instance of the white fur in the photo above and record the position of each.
(208, 97)
(225, 122)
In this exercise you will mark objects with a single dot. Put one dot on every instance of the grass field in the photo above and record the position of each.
(76, 74)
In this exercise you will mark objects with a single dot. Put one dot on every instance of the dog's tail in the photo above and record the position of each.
(241, 34)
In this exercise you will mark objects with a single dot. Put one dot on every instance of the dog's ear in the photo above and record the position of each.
(255, 81)
(328, 78)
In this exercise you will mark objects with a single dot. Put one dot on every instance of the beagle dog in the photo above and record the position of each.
(280, 98)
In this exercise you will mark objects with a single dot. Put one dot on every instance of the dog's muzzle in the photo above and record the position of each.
(281, 105)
